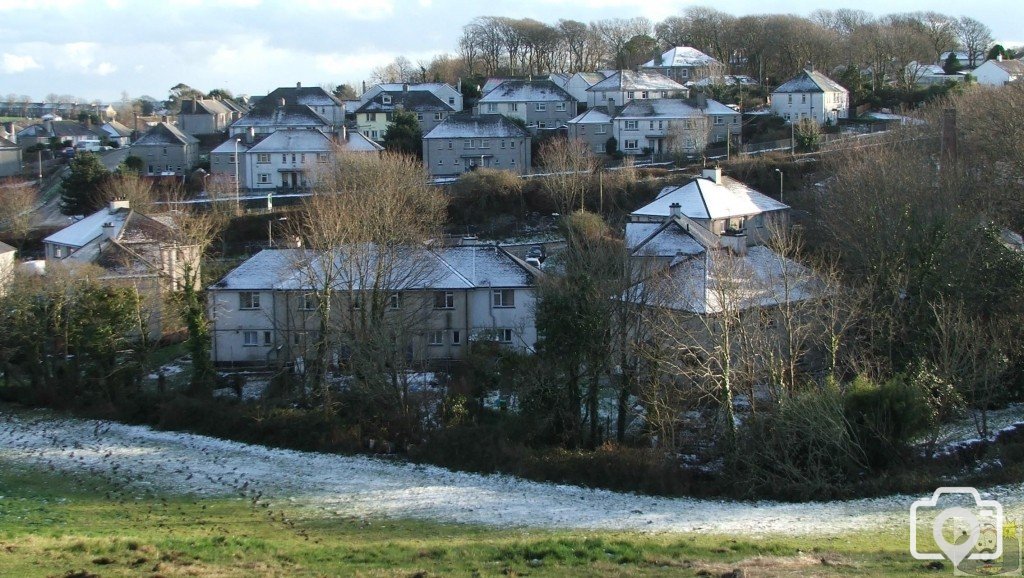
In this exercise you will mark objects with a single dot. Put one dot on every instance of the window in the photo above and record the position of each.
(165, 150)
(293, 158)
(652, 125)
(321, 157)
(444, 300)
(284, 158)
(542, 124)
(630, 95)
(250, 338)
(502, 144)
(643, 94)
(451, 100)
(631, 125)
(440, 162)
(485, 144)
(266, 338)
(582, 130)
(602, 129)
(435, 338)
(385, 99)
(684, 72)
(492, 107)
(231, 159)
(438, 116)
(308, 301)
(735, 119)
(261, 159)
(503, 297)
(790, 99)
(511, 144)
(394, 301)
(263, 178)
(504, 336)
(373, 134)
(560, 107)
(302, 158)
(456, 338)
(719, 120)
(630, 145)
(371, 117)
(540, 107)
(512, 162)
(450, 145)
(803, 98)
(249, 300)
(513, 107)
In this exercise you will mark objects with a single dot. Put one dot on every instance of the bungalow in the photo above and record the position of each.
(623, 86)
(117, 133)
(62, 130)
(463, 142)
(813, 95)
(997, 72)
(541, 104)
(374, 115)
(264, 311)
(166, 150)
(686, 64)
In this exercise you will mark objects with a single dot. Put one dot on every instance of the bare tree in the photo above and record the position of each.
(17, 201)
(128, 185)
(569, 166)
(974, 38)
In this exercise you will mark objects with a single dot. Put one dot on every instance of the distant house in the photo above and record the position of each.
(269, 116)
(118, 133)
(593, 127)
(932, 74)
(7, 253)
(452, 96)
(10, 158)
(579, 82)
(166, 150)
(204, 116)
(287, 159)
(673, 126)
(997, 72)
(463, 142)
(374, 115)
(319, 100)
(63, 130)
(541, 104)
(686, 64)
(133, 249)
(262, 312)
(812, 95)
(623, 86)
(228, 161)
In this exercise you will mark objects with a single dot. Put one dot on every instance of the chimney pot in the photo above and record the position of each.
(714, 175)
(675, 210)
(280, 102)
(298, 85)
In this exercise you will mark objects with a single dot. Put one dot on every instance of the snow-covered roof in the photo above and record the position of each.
(666, 239)
(116, 129)
(592, 116)
(681, 56)
(82, 232)
(228, 147)
(469, 126)
(624, 80)
(6, 144)
(669, 108)
(301, 95)
(527, 91)
(411, 100)
(809, 81)
(441, 89)
(293, 140)
(295, 115)
(718, 280)
(1011, 67)
(358, 142)
(727, 80)
(5, 248)
(464, 267)
(165, 133)
(204, 106)
(702, 198)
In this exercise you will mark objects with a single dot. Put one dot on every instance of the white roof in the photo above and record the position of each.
(666, 239)
(81, 233)
(809, 81)
(702, 198)
(592, 116)
(669, 108)
(636, 80)
(527, 91)
(307, 140)
(681, 56)
(228, 146)
(717, 280)
(358, 142)
(468, 126)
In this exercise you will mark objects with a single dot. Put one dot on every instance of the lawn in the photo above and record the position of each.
(76, 526)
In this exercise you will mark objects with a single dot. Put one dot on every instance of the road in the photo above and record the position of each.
(48, 215)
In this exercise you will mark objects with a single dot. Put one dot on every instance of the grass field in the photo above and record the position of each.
(64, 526)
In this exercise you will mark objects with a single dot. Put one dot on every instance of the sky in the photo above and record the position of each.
(101, 49)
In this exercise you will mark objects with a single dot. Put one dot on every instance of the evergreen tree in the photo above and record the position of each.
(403, 134)
(952, 64)
(80, 189)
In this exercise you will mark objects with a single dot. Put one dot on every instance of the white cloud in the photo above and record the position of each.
(105, 68)
(79, 55)
(38, 5)
(337, 65)
(15, 63)
(356, 9)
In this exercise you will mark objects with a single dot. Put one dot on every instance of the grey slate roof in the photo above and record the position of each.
(468, 126)
(296, 115)
(1011, 66)
(297, 140)
(809, 81)
(164, 133)
(118, 128)
(412, 100)
(303, 95)
(527, 91)
(625, 80)
(60, 128)
(204, 106)
(659, 108)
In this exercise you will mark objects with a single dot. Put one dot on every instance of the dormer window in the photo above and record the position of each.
(385, 99)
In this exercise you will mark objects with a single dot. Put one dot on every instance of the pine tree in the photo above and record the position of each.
(80, 189)
(403, 134)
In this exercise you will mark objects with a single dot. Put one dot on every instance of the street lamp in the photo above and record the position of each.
(270, 230)
(237, 194)
(780, 184)
(40, 165)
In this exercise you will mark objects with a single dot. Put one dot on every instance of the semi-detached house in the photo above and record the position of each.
(541, 104)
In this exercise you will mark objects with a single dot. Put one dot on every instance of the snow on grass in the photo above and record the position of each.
(964, 432)
(140, 458)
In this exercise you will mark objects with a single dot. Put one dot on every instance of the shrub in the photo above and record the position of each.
(885, 418)
(480, 195)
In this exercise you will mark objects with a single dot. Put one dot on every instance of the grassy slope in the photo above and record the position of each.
(52, 525)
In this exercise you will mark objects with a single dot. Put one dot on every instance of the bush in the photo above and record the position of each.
(483, 194)
(886, 418)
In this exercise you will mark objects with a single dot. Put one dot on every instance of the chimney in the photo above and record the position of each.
(250, 135)
(405, 87)
(364, 88)
(714, 175)
(611, 107)
(344, 133)
(48, 125)
(459, 85)
(675, 210)
(280, 102)
(118, 204)
(999, 57)
(298, 85)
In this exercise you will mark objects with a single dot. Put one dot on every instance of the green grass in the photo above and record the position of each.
(55, 525)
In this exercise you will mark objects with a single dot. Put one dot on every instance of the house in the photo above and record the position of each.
(264, 311)
(166, 150)
(541, 104)
(228, 162)
(463, 142)
(7, 254)
(623, 86)
(272, 115)
(10, 158)
(686, 64)
(133, 249)
(452, 96)
(204, 116)
(812, 95)
(579, 82)
(932, 74)
(593, 127)
(673, 126)
(117, 133)
(374, 115)
(287, 159)
(998, 71)
(719, 204)
(64, 131)
(319, 100)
